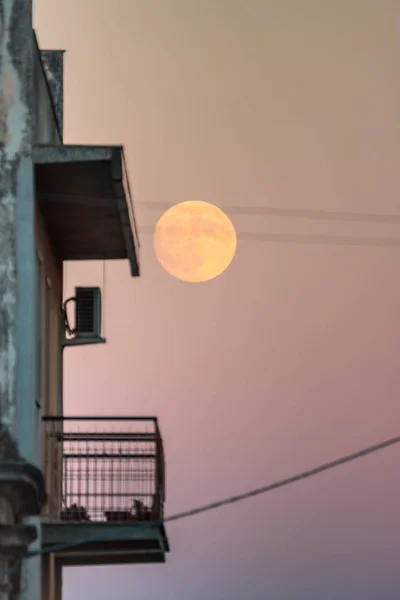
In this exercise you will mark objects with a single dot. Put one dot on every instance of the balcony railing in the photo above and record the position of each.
(104, 469)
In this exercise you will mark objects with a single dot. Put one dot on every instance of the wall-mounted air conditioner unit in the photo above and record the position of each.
(87, 328)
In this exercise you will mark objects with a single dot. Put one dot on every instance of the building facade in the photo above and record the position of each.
(73, 490)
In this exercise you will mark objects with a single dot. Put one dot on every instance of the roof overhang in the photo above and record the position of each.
(84, 196)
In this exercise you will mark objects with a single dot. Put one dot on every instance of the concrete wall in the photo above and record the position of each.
(17, 255)
(51, 370)
(27, 115)
(51, 285)
(15, 179)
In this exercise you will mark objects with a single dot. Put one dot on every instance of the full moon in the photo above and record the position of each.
(194, 241)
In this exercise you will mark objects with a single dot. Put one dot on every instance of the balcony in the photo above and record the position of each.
(105, 482)
(84, 196)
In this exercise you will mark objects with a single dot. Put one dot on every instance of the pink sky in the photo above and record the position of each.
(291, 357)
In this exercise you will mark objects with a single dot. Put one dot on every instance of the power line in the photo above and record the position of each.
(283, 482)
(304, 213)
(231, 500)
(326, 240)
(311, 239)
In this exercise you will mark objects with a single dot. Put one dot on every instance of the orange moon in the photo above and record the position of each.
(194, 241)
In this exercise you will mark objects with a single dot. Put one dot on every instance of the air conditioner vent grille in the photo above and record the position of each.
(88, 311)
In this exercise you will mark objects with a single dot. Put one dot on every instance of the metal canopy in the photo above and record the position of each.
(84, 196)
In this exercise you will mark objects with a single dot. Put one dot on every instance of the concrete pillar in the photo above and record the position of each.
(17, 248)
(31, 569)
(51, 578)
(57, 580)
(6, 518)
(46, 569)
(18, 412)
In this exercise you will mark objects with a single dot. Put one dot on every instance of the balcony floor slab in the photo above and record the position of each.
(105, 543)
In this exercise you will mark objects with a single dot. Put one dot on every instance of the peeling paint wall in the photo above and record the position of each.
(18, 412)
(27, 117)
(15, 152)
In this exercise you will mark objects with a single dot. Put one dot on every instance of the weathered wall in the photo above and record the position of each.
(16, 182)
(17, 267)
(27, 116)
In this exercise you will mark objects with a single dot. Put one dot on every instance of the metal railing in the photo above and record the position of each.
(104, 468)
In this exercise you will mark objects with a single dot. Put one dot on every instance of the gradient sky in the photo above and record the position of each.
(291, 357)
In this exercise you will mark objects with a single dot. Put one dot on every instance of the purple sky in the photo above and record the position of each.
(291, 357)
